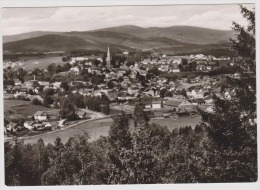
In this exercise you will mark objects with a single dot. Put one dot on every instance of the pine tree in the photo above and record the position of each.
(232, 126)
(67, 110)
(139, 116)
(13, 164)
(135, 160)
(119, 140)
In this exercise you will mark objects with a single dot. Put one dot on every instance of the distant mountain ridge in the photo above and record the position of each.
(121, 38)
(23, 36)
(186, 34)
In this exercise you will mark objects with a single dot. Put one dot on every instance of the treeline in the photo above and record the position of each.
(146, 154)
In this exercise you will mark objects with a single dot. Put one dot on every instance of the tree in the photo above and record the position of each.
(77, 162)
(231, 128)
(168, 93)
(13, 164)
(110, 84)
(64, 85)
(119, 139)
(36, 101)
(141, 78)
(245, 87)
(93, 103)
(132, 155)
(184, 62)
(119, 134)
(59, 69)
(77, 100)
(67, 110)
(66, 67)
(183, 92)
(52, 68)
(154, 71)
(30, 91)
(47, 100)
(40, 160)
(141, 160)
(162, 92)
(105, 108)
(140, 117)
(192, 66)
(21, 74)
(55, 174)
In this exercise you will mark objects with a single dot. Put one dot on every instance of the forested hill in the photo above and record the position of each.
(170, 39)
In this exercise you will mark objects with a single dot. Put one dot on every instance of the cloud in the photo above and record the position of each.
(28, 12)
(20, 20)
(215, 19)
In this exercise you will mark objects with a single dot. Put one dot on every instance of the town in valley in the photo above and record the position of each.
(171, 89)
(130, 95)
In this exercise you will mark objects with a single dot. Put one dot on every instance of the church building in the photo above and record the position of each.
(108, 59)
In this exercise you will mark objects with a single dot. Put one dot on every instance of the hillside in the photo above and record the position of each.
(45, 43)
(53, 42)
(23, 36)
(186, 34)
(92, 41)
(170, 39)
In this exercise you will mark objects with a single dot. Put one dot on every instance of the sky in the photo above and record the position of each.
(22, 20)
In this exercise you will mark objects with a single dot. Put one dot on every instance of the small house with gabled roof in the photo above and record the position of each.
(41, 116)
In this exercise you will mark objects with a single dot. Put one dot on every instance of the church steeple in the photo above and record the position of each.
(108, 59)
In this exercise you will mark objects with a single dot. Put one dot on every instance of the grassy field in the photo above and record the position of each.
(9, 104)
(30, 63)
(176, 123)
(30, 109)
(25, 108)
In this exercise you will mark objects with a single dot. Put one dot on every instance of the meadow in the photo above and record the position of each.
(25, 108)
(176, 123)
(9, 104)
(41, 62)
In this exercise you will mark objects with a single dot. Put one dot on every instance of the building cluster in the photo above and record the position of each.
(126, 85)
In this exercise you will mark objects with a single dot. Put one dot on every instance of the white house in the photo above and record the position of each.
(89, 63)
(17, 82)
(29, 124)
(53, 125)
(75, 59)
(145, 61)
(133, 90)
(28, 83)
(56, 85)
(201, 57)
(156, 104)
(164, 68)
(195, 94)
(40, 115)
(13, 127)
(176, 61)
(86, 91)
(75, 70)
(175, 70)
(81, 114)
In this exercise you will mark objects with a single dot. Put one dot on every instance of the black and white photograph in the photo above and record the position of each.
(129, 94)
